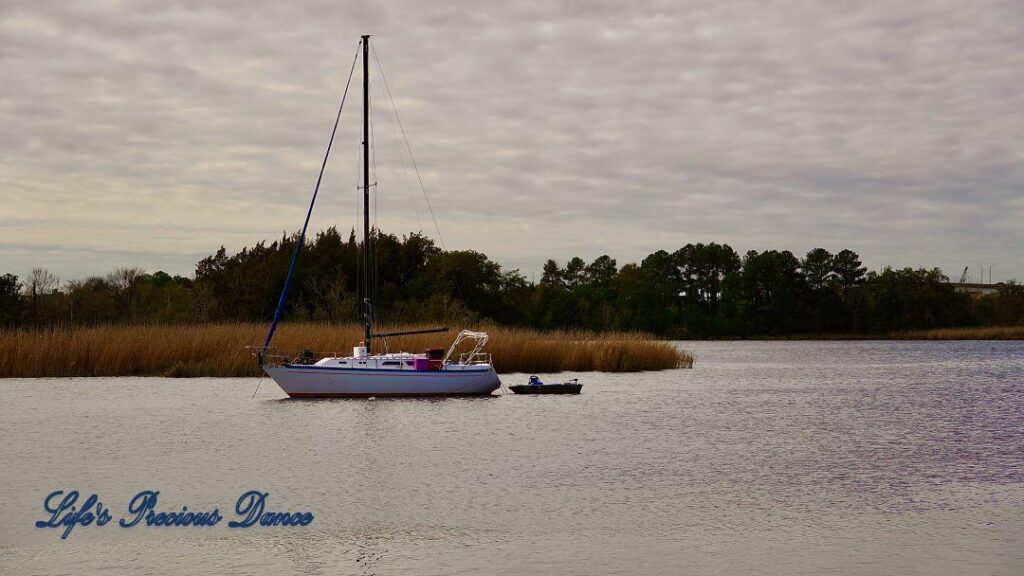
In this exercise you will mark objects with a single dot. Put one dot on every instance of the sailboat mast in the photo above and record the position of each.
(367, 309)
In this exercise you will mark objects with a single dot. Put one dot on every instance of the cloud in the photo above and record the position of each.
(157, 131)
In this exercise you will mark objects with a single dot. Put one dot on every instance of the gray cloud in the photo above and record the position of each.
(152, 132)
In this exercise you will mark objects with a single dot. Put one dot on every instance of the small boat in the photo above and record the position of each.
(535, 386)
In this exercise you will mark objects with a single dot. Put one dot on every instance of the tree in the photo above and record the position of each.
(818, 267)
(699, 290)
(846, 266)
(552, 275)
(573, 273)
(827, 306)
(769, 293)
(702, 272)
(909, 299)
(123, 281)
(703, 267)
(662, 274)
(10, 301)
(601, 271)
(92, 301)
(41, 281)
(467, 276)
(1009, 304)
(647, 296)
(40, 286)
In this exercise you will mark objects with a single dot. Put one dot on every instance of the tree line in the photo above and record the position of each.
(699, 290)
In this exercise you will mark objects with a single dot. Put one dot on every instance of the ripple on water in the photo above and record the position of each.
(780, 457)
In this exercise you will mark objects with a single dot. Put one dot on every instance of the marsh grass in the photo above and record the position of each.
(984, 333)
(219, 350)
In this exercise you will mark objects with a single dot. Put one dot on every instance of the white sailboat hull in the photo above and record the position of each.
(306, 381)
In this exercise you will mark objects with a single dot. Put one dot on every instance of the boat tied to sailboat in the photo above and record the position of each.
(434, 372)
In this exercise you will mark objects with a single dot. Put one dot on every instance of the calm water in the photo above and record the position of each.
(767, 458)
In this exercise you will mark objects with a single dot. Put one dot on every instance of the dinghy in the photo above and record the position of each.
(535, 386)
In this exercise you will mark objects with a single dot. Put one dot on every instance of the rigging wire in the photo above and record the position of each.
(405, 172)
(302, 236)
(412, 159)
(392, 124)
(375, 228)
(419, 177)
(258, 384)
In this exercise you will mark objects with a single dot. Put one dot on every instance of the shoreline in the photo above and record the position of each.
(986, 333)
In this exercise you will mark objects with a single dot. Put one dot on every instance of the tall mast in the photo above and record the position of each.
(367, 309)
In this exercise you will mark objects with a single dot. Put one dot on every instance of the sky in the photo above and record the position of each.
(149, 133)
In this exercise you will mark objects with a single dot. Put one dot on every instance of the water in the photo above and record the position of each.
(767, 458)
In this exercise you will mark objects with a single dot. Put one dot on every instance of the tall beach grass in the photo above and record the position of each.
(220, 349)
(983, 333)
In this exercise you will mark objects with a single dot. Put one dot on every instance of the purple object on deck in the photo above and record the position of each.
(421, 363)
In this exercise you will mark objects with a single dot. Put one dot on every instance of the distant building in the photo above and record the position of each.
(976, 289)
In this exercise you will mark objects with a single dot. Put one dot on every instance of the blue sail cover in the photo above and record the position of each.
(302, 235)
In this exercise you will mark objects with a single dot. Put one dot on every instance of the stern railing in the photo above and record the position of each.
(475, 358)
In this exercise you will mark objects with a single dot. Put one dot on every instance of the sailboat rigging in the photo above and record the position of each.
(432, 373)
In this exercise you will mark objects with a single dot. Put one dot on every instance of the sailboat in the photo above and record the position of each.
(433, 372)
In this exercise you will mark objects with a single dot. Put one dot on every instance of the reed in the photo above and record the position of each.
(219, 350)
(983, 333)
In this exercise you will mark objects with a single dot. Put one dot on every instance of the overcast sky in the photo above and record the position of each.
(150, 133)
